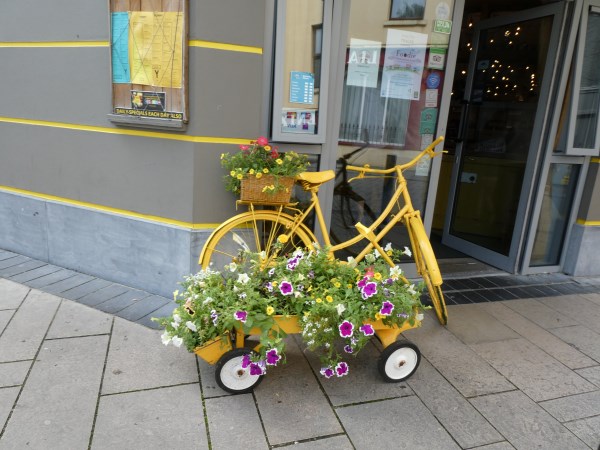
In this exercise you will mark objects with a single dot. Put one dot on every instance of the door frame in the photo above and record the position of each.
(510, 262)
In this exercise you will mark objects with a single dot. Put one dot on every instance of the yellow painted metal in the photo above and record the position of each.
(212, 351)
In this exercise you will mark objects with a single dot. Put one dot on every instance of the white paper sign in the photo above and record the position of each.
(363, 63)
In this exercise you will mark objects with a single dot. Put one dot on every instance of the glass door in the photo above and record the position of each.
(505, 106)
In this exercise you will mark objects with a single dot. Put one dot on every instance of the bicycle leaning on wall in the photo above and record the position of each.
(257, 230)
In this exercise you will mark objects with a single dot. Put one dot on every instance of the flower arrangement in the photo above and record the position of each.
(333, 301)
(258, 160)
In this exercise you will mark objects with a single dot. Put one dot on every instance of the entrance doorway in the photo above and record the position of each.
(495, 128)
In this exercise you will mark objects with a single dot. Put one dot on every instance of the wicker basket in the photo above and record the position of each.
(252, 189)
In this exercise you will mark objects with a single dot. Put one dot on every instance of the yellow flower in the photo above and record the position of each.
(267, 148)
(377, 276)
(337, 284)
(329, 298)
(309, 289)
(274, 283)
(318, 300)
(222, 155)
(349, 286)
(232, 173)
(251, 171)
(378, 316)
(239, 176)
(258, 175)
(283, 238)
(279, 161)
(306, 313)
(270, 310)
(265, 170)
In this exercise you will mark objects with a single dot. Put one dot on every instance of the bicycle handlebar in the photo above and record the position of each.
(428, 150)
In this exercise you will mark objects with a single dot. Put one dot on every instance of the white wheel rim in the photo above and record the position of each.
(235, 377)
(401, 363)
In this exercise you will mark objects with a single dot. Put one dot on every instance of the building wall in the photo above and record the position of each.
(130, 205)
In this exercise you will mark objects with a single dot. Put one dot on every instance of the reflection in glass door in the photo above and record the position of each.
(500, 130)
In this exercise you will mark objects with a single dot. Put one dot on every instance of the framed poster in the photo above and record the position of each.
(148, 42)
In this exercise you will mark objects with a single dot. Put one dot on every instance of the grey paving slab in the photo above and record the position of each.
(392, 424)
(592, 374)
(290, 394)
(25, 332)
(14, 261)
(592, 298)
(35, 273)
(20, 268)
(555, 347)
(145, 307)
(83, 289)
(102, 295)
(73, 319)
(582, 338)
(475, 325)
(146, 320)
(5, 254)
(532, 370)
(456, 414)
(58, 402)
(210, 388)
(540, 314)
(122, 301)
(574, 407)
(69, 283)
(588, 430)
(524, 423)
(242, 423)
(498, 446)
(14, 373)
(363, 382)
(470, 374)
(7, 400)
(167, 418)
(46, 280)
(577, 308)
(11, 294)
(5, 316)
(138, 360)
(337, 442)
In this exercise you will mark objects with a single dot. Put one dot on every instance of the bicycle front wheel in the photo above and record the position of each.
(254, 231)
(427, 267)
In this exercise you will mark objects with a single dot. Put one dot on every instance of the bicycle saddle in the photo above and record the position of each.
(310, 180)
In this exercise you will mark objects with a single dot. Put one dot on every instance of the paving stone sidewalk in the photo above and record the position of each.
(520, 374)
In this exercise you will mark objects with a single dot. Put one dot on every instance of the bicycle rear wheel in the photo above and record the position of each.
(253, 231)
(427, 266)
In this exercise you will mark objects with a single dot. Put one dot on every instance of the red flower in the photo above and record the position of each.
(274, 154)
(369, 272)
(244, 148)
(262, 141)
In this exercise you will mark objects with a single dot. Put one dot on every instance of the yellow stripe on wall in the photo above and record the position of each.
(126, 132)
(96, 207)
(595, 160)
(589, 223)
(74, 44)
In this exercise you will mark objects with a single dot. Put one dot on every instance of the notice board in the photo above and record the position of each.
(149, 62)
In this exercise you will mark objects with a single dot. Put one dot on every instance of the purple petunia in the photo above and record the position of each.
(327, 372)
(214, 316)
(286, 288)
(348, 348)
(269, 287)
(369, 290)
(403, 315)
(361, 284)
(272, 357)
(386, 308)
(292, 263)
(389, 281)
(240, 315)
(246, 360)
(311, 274)
(346, 329)
(341, 369)
(367, 329)
(256, 369)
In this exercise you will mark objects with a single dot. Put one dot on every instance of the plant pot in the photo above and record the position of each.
(252, 189)
(212, 351)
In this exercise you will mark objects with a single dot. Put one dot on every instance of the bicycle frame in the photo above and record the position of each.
(404, 214)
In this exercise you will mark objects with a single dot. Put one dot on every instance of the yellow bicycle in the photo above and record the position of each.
(257, 230)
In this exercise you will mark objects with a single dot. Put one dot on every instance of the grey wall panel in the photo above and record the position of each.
(590, 202)
(144, 175)
(225, 93)
(136, 253)
(228, 21)
(55, 20)
(69, 85)
(23, 226)
(582, 252)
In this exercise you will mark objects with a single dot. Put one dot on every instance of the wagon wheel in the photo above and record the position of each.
(231, 376)
(399, 361)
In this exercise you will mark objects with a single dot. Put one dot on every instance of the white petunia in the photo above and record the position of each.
(420, 316)
(207, 300)
(411, 289)
(407, 252)
(165, 338)
(351, 261)
(191, 326)
(233, 267)
(340, 309)
(395, 271)
(376, 253)
(177, 341)
(243, 278)
(388, 247)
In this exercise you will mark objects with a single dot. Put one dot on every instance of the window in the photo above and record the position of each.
(407, 9)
